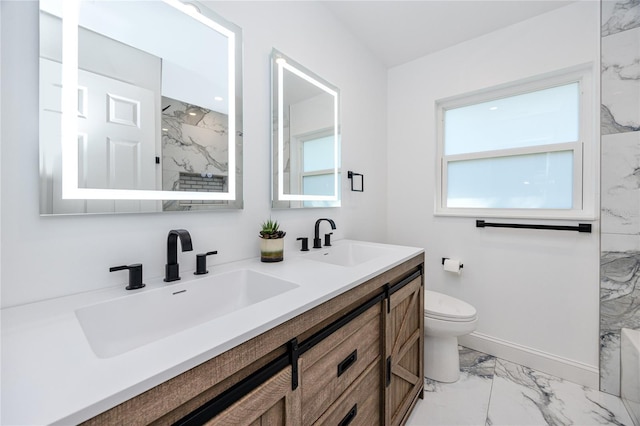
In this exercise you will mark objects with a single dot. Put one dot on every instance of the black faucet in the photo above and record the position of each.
(317, 242)
(172, 269)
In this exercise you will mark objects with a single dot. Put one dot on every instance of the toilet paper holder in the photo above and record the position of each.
(446, 258)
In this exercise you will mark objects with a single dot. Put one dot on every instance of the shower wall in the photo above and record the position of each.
(620, 183)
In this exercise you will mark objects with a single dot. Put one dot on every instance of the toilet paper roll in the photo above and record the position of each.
(452, 265)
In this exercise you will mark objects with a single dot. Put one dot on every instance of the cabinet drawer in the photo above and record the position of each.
(331, 366)
(271, 403)
(360, 403)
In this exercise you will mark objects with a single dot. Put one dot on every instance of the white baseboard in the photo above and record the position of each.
(567, 369)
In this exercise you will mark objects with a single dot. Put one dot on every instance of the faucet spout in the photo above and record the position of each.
(172, 269)
(317, 242)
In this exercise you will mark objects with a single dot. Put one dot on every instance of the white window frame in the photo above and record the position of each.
(296, 165)
(297, 158)
(585, 189)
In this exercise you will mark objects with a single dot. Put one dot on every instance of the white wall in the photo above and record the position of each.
(536, 292)
(1, 49)
(45, 257)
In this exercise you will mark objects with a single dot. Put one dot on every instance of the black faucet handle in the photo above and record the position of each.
(317, 243)
(327, 239)
(305, 243)
(201, 262)
(135, 275)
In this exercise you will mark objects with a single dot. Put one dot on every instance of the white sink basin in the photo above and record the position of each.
(120, 325)
(351, 254)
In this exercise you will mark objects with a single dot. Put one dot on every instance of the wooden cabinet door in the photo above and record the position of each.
(329, 368)
(404, 351)
(271, 404)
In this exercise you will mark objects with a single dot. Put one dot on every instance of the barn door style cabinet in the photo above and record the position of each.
(353, 360)
(404, 328)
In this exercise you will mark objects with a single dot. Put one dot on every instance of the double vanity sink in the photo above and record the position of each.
(69, 359)
(122, 324)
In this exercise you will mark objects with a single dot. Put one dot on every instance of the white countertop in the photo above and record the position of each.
(50, 375)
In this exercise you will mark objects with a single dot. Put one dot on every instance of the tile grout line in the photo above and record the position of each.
(493, 378)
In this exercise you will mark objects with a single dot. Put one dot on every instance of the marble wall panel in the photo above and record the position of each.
(619, 302)
(619, 308)
(619, 15)
(621, 82)
(620, 183)
(194, 140)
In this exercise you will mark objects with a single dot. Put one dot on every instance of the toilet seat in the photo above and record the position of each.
(442, 307)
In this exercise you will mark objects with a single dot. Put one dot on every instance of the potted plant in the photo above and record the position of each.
(271, 242)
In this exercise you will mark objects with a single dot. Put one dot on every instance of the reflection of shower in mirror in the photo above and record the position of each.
(195, 155)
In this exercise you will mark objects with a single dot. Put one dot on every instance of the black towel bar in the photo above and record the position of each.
(582, 227)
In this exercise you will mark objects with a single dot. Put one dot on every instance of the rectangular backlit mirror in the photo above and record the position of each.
(140, 107)
(305, 137)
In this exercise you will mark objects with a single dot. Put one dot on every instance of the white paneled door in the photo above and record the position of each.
(117, 134)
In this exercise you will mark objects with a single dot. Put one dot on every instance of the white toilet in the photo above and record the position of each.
(445, 318)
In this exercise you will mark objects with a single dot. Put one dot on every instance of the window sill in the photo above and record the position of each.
(518, 214)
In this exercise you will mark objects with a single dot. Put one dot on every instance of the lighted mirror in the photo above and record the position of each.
(140, 107)
(305, 137)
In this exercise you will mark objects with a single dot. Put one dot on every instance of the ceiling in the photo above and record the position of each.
(399, 31)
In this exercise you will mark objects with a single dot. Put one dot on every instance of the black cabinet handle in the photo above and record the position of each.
(350, 416)
(347, 362)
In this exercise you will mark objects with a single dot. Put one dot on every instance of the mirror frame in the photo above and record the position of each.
(279, 63)
(70, 188)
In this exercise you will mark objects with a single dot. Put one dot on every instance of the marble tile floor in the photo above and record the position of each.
(492, 392)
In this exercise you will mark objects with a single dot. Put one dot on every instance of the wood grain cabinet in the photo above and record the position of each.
(332, 367)
(353, 360)
(359, 404)
(272, 403)
(404, 349)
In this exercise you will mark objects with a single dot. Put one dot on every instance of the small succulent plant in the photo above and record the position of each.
(271, 230)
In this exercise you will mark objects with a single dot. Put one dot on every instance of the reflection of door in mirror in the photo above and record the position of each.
(117, 126)
(125, 125)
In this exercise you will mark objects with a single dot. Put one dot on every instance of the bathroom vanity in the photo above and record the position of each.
(343, 344)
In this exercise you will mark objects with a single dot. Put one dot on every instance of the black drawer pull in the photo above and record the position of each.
(347, 362)
(350, 416)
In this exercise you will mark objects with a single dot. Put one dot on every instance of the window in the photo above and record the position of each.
(522, 150)
(318, 166)
(315, 163)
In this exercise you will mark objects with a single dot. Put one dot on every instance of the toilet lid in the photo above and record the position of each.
(441, 306)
